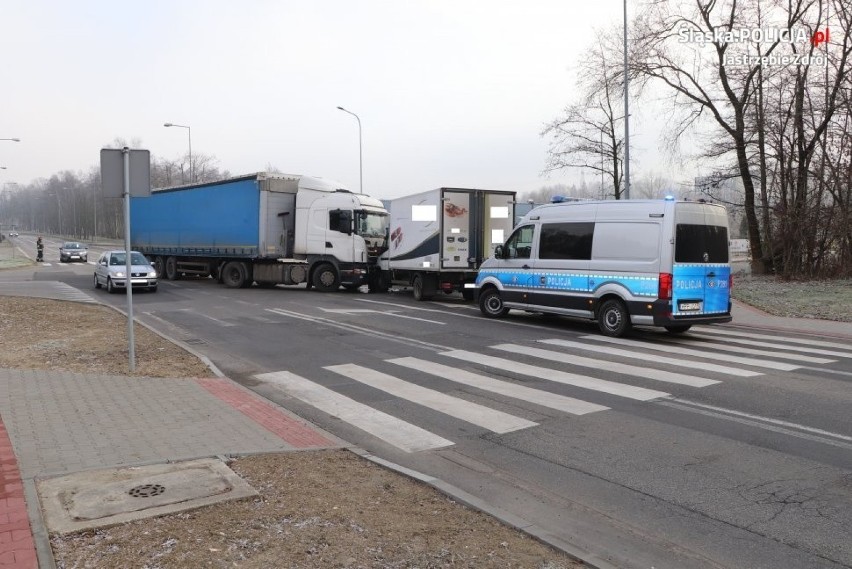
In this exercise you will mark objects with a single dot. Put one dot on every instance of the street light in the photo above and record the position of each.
(360, 153)
(189, 133)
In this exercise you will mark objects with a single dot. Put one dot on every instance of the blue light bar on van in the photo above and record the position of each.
(557, 199)
(670, 198)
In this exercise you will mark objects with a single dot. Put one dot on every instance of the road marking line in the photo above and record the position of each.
(788, 339)
(775, 425)
(585, 382)
(716, 345)
(643, 372)
(779, 346)
(491, 419)
(216, 320)
(371, 311)
(402, 435)
(669, 349)
(359, 329)
(485, 383)
(655, 358)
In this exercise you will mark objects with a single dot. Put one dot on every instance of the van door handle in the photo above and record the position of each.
(525, 266)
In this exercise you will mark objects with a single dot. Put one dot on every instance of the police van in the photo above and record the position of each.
(622, 263)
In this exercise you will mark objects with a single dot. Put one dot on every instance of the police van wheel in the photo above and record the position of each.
(613, 319)
(491, 304)
(678, 329)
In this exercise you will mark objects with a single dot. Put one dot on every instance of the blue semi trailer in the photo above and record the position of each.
(262, 228)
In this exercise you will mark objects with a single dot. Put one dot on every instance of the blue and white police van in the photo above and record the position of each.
(623, 263)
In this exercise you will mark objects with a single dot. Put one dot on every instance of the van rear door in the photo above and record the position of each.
(701, 269)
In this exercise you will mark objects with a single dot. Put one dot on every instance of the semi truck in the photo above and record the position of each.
(263, 228)
(439, 238)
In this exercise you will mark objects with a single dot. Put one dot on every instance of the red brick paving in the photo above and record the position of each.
(292, 431)
(17, 547)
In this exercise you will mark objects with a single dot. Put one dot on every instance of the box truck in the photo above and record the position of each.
(622, 263)
(262, 228)
(439, 238)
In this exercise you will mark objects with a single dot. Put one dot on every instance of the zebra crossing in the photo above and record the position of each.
(551, 362)
(45, 289)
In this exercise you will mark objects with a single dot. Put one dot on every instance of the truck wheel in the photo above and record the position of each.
(159, 266)
(171, 269)
(613, 318)
(234, 274)
(418, 288)
(325, 278)
(491, 304)
(379, 282)
(680, 329)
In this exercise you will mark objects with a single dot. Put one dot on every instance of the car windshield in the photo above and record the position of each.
(135, 259)
(72, 246)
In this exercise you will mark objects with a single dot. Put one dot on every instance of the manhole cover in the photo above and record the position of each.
(147, 490)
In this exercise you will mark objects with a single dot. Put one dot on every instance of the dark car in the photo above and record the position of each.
(73, 251)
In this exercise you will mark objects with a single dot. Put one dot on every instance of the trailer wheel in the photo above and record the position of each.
(379, 282)
(491, 303)
(172, 273)
(234, 274)
(325, 278)
(613, 318)
(159, 266)
(679, 329)
(418, 288)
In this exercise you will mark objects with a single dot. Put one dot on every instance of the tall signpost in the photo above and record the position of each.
(125, 173)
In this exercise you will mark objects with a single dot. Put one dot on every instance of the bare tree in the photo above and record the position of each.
(588, 134)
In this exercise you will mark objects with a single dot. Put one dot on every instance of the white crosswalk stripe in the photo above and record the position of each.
(583, 381)
(692, 364)
(669, 349)
(396, 432)
(496, 421)
(636, 371)
(741, 350)
(784, 339)
(777, 345)
(505, 388)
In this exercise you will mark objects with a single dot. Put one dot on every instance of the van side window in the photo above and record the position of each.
(566, 241)
(701, 244)
(519, 245)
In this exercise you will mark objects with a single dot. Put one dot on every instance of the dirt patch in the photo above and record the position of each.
(315, 509)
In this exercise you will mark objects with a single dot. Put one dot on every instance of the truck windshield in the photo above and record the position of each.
(371, 224)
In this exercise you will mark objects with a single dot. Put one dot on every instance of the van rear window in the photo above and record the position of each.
(701, 244)
(566, 241)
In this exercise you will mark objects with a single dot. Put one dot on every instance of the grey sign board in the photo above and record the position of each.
(112, 172)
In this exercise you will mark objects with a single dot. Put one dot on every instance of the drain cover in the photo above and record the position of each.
(147, 490)
(108, 497)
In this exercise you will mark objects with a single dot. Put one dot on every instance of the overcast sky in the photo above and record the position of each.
(449, 93)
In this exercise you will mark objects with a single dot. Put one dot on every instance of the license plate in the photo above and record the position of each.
(689, 306)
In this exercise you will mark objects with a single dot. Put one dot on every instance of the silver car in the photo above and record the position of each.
(111, 271)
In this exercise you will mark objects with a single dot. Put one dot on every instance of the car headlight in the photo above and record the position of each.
(152, 274)
(119, 274)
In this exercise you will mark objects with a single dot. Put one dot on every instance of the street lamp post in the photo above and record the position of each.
(189, 134)
(360, 152)
(12, 139)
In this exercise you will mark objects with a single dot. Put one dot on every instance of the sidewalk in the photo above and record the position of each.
(56, 423)
(750, 317)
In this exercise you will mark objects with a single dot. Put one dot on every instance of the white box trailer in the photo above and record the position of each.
(439, 238)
